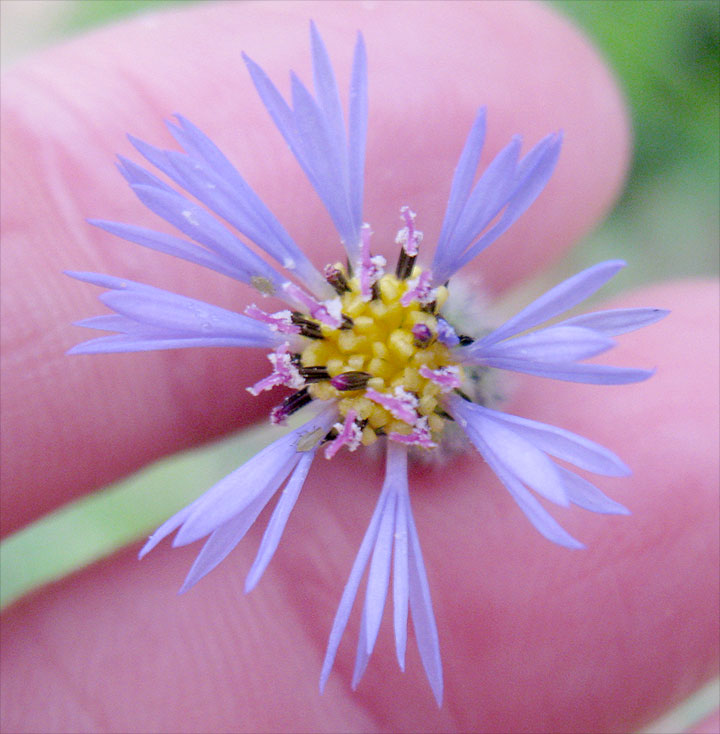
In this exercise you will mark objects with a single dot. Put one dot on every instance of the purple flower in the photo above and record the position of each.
(371, 355)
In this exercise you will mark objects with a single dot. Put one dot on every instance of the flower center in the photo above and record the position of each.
(386, 364)
(379, 350)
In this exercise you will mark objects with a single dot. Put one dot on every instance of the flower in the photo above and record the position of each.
(375, 356)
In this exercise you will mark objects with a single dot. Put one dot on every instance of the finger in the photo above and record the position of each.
(79, 423)
(534, 637)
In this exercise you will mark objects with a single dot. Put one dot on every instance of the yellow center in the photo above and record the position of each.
(381, 343)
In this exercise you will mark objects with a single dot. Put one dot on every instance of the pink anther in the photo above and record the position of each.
(327, 312)
(349, 434)
(280, 321)
(402, 405)
(284, 372)
(419, 289)
(420, 435)
(448, 378)
(408, 237)
(371, 268)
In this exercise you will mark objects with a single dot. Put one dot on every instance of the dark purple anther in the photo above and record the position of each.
(290, 405)
(350, 380)
(422, 335)
(336, 278)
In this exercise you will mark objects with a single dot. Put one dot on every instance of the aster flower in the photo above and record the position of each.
(372, 356)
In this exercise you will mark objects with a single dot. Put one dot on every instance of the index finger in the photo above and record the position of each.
(71, 425)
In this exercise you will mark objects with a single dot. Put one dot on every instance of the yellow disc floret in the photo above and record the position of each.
(392, 343)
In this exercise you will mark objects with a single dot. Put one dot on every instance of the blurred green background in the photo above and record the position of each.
(665, 54)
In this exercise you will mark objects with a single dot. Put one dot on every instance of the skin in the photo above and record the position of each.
(534, 637)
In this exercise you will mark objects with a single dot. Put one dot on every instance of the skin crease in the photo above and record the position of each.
(534, 637)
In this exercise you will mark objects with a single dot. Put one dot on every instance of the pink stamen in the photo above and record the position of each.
(280, 321)
(420, 435)
(327, 312)
(448, 378)
(371, 268)
(284, 372)
(419, 289)
(278, 414)
(402, 405)
(408, 237)
(349, 434)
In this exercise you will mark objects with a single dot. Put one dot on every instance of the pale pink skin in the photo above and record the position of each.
(534, 637)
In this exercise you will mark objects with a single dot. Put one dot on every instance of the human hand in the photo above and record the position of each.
(534, 637)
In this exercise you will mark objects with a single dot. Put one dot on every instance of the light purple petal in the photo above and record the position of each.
(168, 527)
(285, 121)
(558, 299)
(358, 117)
(136, 174)
(224, 538)
(616, 321)
(168, 311)
(152, 318)
(276, 106)
(377, 585)
(534, 511)
(362, 656)
(533, 173)
(201, 226)
(154, 155)
(235, 492)
(517, 455)
(379, 574)
(110, 281)
(230, 197)
(558, 344)
(348, 597)
(461, 186)
(400, 574)
(200, 147)
(578, 450)
(588, 496)
(279, 519)
(422, 612)
(170, 245)
(120, 343)
(108, 322)
(217, 183)
(316, 135)
(324, 160)
(326, 91)
(531, 176)
(488, 197)
(593, 374)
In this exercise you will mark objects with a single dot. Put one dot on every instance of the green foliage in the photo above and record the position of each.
(86, 14)
(665, 54)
